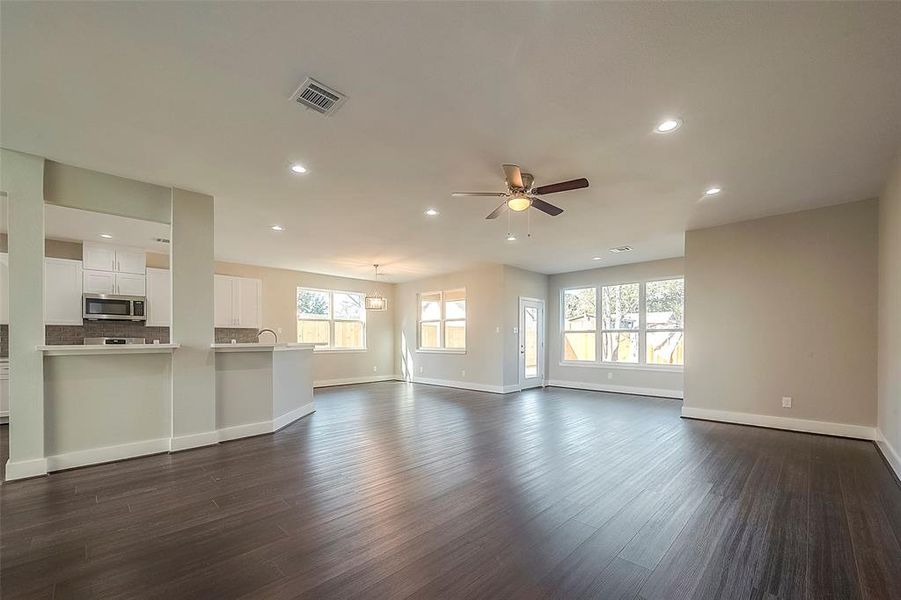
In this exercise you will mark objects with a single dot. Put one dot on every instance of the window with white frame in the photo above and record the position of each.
(580, 324)
(442, 320)
(640, 323)
(331, 319)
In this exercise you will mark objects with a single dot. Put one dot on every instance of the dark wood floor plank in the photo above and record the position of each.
(395, 490)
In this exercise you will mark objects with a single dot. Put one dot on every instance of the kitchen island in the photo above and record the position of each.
(261, 388)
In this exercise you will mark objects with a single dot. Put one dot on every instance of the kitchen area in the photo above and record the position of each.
(111, 357)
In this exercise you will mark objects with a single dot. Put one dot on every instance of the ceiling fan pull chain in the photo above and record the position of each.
(528, 223)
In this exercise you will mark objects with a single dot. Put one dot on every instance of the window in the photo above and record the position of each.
(664, 308)
(580, 324)
(619, 332)
(641, 323)
(442, 321)
(331, 320)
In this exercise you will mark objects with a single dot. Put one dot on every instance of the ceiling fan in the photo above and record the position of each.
(521, 195)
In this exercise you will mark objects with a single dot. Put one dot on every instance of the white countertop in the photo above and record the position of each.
(253, 347)
(75, 349)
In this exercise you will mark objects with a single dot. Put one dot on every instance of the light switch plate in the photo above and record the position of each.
(786, 402)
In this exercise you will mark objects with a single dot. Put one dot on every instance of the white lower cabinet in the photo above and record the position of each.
(4, 389)
(237, 301)
(62, 291)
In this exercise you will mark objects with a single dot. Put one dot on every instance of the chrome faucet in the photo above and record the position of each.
(262, 331)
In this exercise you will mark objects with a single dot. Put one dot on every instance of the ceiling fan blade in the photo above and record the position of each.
(497, 211)
(513, 176)
(497, 194)
(546, 207)
(563, 186)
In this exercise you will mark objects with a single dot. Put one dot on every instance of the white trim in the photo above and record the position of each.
(353, 380)
(861, 432)
(193, 440)
(889, 452)
(617, 389)
(320, 349)
(94, 456)
(467, 385)
(264, 427)
(291, 416)
(438, 350)
(23, 469)
(624, 366)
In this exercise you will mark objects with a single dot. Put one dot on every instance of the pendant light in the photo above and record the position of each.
(375, 301)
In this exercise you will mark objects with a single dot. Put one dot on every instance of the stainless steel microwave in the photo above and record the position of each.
(113, 307)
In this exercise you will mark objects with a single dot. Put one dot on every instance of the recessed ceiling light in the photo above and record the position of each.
(431, 212)
(595, 258)
(621, 249)
(277, 228)
(106, 236)
(298, 168)
(668, 125)
(713, 191)
(511, 238)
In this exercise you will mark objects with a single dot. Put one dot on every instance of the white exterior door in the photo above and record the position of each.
(4, 289)
(531, 343)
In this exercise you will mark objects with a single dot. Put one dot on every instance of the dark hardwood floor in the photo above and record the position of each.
(393, 491)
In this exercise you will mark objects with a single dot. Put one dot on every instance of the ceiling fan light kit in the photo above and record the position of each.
(521, 194)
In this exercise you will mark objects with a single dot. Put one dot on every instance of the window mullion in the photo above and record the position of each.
(598, 325)
(642, 325)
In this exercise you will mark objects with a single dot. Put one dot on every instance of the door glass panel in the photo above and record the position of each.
(530, 329)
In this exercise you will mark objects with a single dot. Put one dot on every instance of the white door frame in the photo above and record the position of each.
(531, 382)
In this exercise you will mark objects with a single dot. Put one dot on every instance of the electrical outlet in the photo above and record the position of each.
(609, 375)
(497, 330)
(374, 368)
(420, 369)
(786, 402)
(516, 330)
(463, 373)
(279, 330)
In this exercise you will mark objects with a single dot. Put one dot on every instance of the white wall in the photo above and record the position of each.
(785, 306)
(638, 380)
(889, 350)
(280, 312)
(483, 361)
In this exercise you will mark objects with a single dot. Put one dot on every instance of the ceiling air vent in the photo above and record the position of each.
(318, 96)
(620, 249)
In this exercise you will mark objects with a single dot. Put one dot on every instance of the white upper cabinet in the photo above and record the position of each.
(130, 261)
(159, 298)
(4, 289)
(105, 257)
(62, 292)
(99, 282)
(237, 302)
(128, 284)
(98, 257)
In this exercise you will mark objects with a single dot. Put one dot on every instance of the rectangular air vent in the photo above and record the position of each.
(620, 249)
(318, 96)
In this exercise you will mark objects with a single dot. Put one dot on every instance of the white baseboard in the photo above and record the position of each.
(194, 440)
(466, 385)
(861, 432)
(95, 456)
(264, 427)
(289, 417)
(23, 469)
(353, 380)
(617, 389)
(889, 452)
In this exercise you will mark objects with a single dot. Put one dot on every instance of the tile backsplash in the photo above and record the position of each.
(75, 334)
(224, 335)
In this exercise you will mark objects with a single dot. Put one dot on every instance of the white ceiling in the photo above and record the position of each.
(787, 106)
